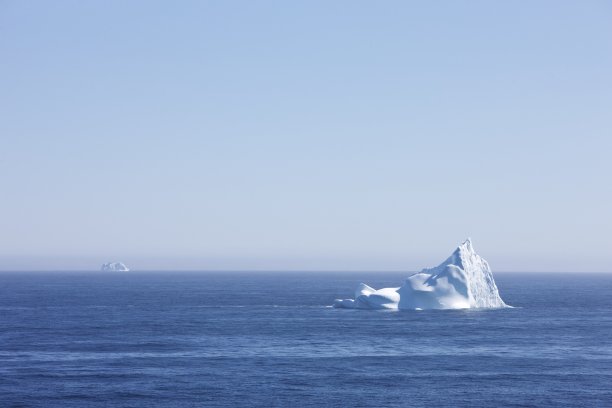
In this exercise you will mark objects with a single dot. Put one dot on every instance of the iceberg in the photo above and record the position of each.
(462, 281)
(115, 266)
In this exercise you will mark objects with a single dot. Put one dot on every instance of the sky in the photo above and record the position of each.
(305, 135)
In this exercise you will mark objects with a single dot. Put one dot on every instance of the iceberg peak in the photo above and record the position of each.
(466, 245)
(464, 280)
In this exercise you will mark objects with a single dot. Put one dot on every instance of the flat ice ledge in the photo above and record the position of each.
(462, 281)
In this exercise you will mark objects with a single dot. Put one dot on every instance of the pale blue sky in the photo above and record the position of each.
(309, 135)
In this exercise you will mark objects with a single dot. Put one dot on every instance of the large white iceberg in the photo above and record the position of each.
(115, 266)
(463, 281)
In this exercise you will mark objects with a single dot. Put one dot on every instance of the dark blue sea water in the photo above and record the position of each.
(268, 340)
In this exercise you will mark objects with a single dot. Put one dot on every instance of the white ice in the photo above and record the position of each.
(462, 281)
(114, 266)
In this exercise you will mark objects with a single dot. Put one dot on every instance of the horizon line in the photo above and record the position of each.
(273, 271)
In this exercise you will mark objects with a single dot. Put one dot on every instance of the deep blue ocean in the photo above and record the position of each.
(138, 339)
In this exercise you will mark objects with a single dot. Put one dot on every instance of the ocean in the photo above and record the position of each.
(177, 339)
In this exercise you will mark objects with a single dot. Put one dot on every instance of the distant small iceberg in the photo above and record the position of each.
(115, 267)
